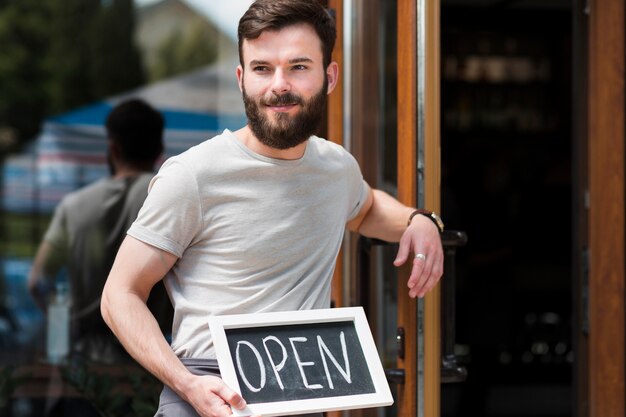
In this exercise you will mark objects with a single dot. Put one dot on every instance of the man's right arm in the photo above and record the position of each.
(47, 263)
(137, 268)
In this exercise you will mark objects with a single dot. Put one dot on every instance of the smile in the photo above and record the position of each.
(281, 107)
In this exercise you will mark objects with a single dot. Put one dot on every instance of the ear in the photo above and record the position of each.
(332, 73)
(239, 73)
(114, 148)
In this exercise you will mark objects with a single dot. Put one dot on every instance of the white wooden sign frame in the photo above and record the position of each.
(381, 397)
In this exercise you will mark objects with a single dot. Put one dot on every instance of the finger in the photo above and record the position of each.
(231, 397)
(418, 283)
(416, 275)
(429, 275)
(432, 276)
(403, 252)
(426, 285)
(223, 411)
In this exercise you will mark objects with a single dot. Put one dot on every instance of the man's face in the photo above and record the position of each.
(284, 85)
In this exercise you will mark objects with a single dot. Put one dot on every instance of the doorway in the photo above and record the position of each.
(506, 144)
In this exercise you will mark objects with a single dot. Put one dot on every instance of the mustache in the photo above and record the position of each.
(282, 100)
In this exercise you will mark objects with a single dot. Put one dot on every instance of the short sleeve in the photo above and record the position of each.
(56, 234)
(363, 193)
(171, 216)
(358, 188)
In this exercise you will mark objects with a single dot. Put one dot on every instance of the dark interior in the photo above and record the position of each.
(507, 183)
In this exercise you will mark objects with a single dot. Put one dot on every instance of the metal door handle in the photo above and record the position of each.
(395, 375)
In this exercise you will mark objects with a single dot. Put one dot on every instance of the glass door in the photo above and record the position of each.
(390, 123)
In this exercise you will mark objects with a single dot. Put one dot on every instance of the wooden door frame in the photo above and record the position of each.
(605, 215)
(418, 125)
(410, 129)
(335, 114)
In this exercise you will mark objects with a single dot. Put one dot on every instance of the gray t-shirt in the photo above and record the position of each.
(85, 233)
(253, 234)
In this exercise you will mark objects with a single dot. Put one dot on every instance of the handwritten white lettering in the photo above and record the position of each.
(260, 362)
(281, 365)
(344, 372)
(301, 364)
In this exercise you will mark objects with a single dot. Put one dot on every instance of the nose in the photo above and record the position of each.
(280, 84)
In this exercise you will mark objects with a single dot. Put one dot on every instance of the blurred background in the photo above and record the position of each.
(63, 65)
(507, 143)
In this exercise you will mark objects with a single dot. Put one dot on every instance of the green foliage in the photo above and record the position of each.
(97, 389)
(60, 54)
(67, 58)
(8, 383)
(21, 233)
(116, 61)
(91, 52)
(110, 395)
(180, 52)
(23, 36)
(146, 388)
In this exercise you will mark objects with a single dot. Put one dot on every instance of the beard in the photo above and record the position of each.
(285, 131)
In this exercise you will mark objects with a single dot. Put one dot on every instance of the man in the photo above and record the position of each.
(252, 220)
(89, 225)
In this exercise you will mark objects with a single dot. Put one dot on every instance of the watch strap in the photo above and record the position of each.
(431, 215)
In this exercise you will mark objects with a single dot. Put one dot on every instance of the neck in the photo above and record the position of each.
(123, 172)
(251, 142)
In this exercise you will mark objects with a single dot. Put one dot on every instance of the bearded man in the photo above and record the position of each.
(252, 221)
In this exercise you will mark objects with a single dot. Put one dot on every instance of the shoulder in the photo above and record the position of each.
(325, 145)
(327, 152)
(139, 187)
(208, 158)
(207, 148)
(203, 155)
(82, 201)
(326, 148)
(88, 192)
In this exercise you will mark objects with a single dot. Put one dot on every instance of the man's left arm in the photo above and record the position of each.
(384, 217)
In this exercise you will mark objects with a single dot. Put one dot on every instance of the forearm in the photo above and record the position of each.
(136, 328)
(45, 265)
(386, 218)
(137, 268)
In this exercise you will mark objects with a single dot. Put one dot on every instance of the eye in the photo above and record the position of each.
(260, 68)
(299, 67)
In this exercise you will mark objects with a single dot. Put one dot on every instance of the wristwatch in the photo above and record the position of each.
(431, 215)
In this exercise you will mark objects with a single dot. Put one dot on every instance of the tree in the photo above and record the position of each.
(116, 61)
(92, 54)
(70, 81)
(23, 98)
(181, 52)
(60, 54)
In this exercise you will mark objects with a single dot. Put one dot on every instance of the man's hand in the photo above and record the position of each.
(211, 397)
(422, 240)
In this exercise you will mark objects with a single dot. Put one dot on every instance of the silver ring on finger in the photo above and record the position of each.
(420, 256)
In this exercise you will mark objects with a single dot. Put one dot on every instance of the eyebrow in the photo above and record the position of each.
(300, 60)
(291, 61)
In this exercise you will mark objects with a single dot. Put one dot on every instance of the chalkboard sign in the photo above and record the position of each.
(300, 362)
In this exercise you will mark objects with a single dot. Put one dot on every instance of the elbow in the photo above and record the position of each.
(105, 307)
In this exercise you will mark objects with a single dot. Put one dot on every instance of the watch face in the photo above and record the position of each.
(437, 220)
(432, 216)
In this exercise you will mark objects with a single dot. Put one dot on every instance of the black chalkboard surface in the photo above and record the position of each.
(300, 362)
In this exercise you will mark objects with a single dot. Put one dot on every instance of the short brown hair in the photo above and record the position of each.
(275, 15)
